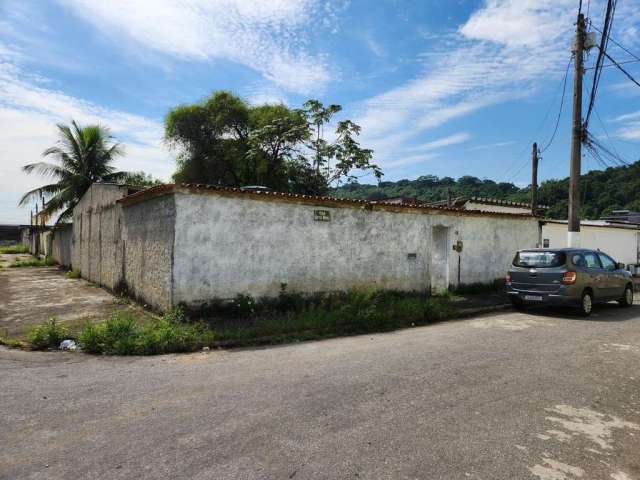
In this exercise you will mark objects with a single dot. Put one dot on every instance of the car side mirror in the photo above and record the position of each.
(621, 266)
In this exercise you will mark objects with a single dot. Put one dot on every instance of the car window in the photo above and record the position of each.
(591, 260)
(539, 259)
(607, 262)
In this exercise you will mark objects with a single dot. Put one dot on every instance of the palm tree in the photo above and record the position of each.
(84, 156)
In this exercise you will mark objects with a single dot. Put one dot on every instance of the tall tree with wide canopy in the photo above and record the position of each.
(225, 141)
(84, 155)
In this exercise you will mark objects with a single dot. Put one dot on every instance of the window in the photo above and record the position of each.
(607, 262)
(545, 243)
(537, 259)
(591, 260)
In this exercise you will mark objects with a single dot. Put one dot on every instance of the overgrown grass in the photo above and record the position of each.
(73, 274)
(124, 334)
(245, 321)
(36, 262)
(47, 335)
(14, 249)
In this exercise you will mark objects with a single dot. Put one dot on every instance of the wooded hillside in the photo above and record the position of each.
(602, 191)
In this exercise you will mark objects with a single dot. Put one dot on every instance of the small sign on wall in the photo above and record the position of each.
(322, 215)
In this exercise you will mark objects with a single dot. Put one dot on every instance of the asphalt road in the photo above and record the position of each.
(508, 396)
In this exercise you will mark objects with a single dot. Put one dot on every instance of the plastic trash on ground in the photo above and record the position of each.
(68, 345)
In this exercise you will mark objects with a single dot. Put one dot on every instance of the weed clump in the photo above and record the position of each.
(124, 334)
(75, 274)
(48, 334)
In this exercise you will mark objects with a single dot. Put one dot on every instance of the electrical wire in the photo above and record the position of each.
(622, 69)
(604, 40)
(616, 43)
(564, 88)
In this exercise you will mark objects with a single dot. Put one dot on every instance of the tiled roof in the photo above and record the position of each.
(310, 199)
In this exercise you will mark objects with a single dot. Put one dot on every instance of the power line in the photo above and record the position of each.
(564, 87)
(614, 65)
(616, 43)
(505, 175)
(608, 20)
(622, 69)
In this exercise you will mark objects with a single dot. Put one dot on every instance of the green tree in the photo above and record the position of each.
(224, 141)
(211, 138)
(142, 179)
(84, 156)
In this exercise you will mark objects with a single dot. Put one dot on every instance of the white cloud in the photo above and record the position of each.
(29, 112)
(631, 128)
(504, 51)
(454, 139)
(268, 37)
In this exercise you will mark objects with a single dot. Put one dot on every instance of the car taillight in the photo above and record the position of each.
(569, 278)
(507, 278)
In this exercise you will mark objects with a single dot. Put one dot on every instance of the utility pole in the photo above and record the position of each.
(573, 235)
(534, 178)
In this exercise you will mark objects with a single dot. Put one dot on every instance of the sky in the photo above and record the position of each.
(439, 87)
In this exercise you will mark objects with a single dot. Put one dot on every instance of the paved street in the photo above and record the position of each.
(542, 395)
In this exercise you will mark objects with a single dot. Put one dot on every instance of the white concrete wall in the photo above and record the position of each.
(225, 245)
(619, 243)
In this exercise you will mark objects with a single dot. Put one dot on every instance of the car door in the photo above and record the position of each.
(612, 277)
(594, 270)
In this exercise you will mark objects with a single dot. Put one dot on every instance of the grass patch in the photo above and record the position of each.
(13, 343)
(245, 321)
(14, 249)
(47, 335)
(73, 274)
(36, 262)
(125, 334)
(341, 314)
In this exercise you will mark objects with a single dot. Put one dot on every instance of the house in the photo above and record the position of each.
(621, 241)
(191, 244)
(623, 216)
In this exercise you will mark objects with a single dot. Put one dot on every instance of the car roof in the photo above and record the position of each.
(565, 249)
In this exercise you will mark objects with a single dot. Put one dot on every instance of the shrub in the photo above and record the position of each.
(123, 334)
(74, 274)
(49, 334)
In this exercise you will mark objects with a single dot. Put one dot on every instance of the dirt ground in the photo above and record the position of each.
(30, 295)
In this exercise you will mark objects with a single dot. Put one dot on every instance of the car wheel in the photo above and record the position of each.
(627, 297)
(586, 305)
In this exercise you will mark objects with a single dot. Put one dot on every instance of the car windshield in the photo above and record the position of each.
(537, 259)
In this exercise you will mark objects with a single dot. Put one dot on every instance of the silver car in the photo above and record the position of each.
(567, 276)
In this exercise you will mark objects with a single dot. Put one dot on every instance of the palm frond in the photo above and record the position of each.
(37, 193)
(45, 169)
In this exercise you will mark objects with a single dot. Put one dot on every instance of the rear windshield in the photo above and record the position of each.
(539, 259)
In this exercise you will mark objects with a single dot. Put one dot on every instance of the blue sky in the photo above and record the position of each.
(439, 87)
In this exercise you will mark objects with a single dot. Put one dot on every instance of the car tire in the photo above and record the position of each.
(517, 303)
(627, 297)
(586, 304)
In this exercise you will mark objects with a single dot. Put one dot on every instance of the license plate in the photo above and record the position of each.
(533, 298)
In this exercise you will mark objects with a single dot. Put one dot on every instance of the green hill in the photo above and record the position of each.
(602, 191)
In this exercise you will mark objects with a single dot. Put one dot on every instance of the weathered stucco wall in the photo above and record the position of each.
(61, 245)
(225, 245)
(97, 244)
(148, 236)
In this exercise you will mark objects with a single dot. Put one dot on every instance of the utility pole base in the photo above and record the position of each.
(573, 239)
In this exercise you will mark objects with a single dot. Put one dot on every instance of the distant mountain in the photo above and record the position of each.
(601, 190)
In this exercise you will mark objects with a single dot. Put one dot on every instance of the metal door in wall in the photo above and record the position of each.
(439, 259)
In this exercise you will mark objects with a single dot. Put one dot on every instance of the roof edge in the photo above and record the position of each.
(198, 188)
